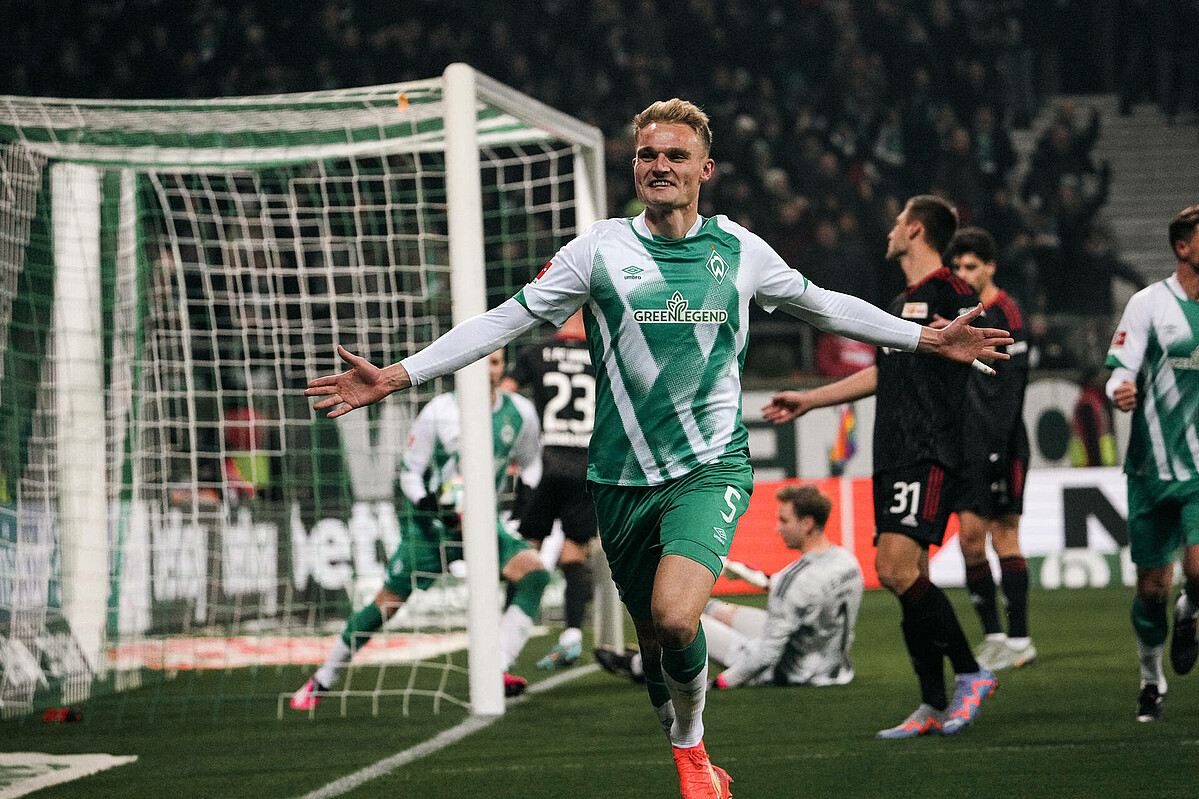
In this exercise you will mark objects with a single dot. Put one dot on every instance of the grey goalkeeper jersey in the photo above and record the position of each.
(810, 616)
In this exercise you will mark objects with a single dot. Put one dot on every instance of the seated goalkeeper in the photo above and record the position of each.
(432, 535)
(803, 636)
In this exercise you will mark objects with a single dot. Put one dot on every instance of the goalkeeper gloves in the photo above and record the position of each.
(736, 570)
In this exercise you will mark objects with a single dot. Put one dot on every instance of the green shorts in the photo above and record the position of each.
(694, 516)
(1162, 515)
(428, 548)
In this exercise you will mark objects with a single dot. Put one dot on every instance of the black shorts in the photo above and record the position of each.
(564, 498)
(993, 489)
(915, 501)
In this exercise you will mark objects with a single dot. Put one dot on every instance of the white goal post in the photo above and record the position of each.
(171, 274)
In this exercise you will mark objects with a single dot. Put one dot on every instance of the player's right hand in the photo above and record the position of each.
(1125, 396)
(364, 384)
(787, 405)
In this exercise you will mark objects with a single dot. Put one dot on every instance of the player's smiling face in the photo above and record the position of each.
(669, 166)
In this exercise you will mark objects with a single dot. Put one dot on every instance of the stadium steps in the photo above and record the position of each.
(1155, 174)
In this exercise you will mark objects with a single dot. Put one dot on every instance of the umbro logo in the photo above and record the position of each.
(632, 272)
(720, 535)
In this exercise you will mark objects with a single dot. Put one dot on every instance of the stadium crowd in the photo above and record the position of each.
(828, 112)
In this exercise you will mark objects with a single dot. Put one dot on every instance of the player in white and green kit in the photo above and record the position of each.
(1155, 361)
(432, 534)
(665, 298)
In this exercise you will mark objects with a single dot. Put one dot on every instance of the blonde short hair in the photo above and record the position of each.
(1182, 227)
(677, 112)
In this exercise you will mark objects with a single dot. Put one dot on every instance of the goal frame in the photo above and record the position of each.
(76, 168)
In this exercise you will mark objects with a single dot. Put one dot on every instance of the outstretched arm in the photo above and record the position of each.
(365, 384)
(787, 405)
(855, 318)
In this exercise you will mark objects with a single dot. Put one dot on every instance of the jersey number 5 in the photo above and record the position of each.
(730, 494)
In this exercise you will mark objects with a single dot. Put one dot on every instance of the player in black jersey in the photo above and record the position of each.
(918, 461)
(996, 455)
(559, 375)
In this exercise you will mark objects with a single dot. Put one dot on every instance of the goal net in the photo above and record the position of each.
(172, 274)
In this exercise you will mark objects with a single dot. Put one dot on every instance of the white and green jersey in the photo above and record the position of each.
(431, 459)
(1156, 346)
(667, 322)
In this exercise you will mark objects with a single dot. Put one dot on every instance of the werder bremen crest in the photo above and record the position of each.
(717, 266)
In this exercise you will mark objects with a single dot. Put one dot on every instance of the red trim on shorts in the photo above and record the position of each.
(932, 496)
(1017, 478)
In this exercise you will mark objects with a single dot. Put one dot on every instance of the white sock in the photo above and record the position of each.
(515, 628)
(1151, 665)
(636, 670)
(996, 636)
(338, 659)
(571, 635)
(1019, 643)
(1186, 606)
(666, 716)
(688, 699)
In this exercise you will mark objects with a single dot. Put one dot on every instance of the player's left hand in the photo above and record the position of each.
(958, 341)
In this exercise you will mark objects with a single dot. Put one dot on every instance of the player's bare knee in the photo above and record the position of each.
(896, 577)
(521, 565)
(974, 550)
(572, 553)
(387, 602)
(674, 627)
(1190, 564)
(1154, 585)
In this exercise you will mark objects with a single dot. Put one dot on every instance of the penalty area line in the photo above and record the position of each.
(440, 741)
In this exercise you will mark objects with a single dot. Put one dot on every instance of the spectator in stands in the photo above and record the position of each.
(1063, 152)
(957, 175)
(1136, 50)
(993, 150)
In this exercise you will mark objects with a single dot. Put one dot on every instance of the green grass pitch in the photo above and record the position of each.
(1061, 728)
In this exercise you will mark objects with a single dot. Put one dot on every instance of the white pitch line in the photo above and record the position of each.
(440, 741)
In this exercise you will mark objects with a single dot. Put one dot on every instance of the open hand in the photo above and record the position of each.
(363, 384)
(961, 342)
(787, 405)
